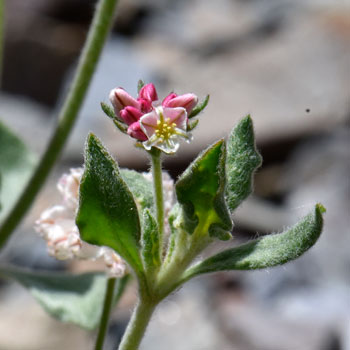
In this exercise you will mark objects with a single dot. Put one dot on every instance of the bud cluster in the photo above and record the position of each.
(154, 123)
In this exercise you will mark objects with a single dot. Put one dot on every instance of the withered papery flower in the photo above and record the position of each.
(57, 226)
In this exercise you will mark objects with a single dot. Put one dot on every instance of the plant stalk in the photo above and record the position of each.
(137, 325)
(102, 21)
(158, 190)
(187, 248)
(108, 301)
(2, 30)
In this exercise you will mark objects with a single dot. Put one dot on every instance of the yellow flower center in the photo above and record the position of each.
(165, 129)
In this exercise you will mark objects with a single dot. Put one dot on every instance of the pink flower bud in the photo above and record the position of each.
(149, 93)
(121, 99)
(187, 101)
(130, 115)
(168, 98)
(136, 132)
(145, 105)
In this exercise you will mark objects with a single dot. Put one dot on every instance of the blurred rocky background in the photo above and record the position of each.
(285, 62)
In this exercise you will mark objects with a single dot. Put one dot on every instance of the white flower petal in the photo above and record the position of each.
(148, 123)
(68, 185)
(116, 266)
(176, 115)
(57, 224)
(164, 127)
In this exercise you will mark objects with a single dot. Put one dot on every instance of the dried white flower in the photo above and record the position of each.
(57, 226)
(115, 264)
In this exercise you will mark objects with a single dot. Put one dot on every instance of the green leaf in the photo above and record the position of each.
(140, 187)
(107, 214)
(108, 110)
(242, 160)
(122, 127)
(174, 215)
(200, 191)
(16, 166)
(140, 85)
(192, 124)
(268, 251)
(69, 298)
(150, 242)
(199, 108)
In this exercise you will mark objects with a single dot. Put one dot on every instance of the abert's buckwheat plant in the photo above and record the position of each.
(159, 232)
(142, 224)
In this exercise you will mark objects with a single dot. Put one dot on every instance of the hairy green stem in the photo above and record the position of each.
(2, 29)
(187, 248)
(137, 325)
(107, 305)
(98, 32)
(158, 190)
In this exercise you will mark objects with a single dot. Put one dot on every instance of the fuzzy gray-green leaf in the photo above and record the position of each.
(199, 108)
(16, 166)
(107, 213)
(140, 85)
(108, 110)
(150, 242)
(200, 191)
(268, 251)
(242, 161)
(192, 124)
(70, 298)
(140, 187)
(122, 127)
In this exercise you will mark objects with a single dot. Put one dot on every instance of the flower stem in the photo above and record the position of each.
(108, 301)
(137, 325)
(2, 29)
(158, 190)
(187, 248)
(98, 32)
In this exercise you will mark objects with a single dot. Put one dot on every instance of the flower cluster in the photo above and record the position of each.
(154, 123)
(57, 226)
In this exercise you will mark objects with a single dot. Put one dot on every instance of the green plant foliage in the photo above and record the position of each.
(199, 108)
(140, 85)
(140, 187)
(242, 160)
(107, 214)
(150, 242)
(174, 215)
(268, 251)
(69, 298)
(192, 124)
(108, 110)
(122, 127)
(200, 191)
(16, 166)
